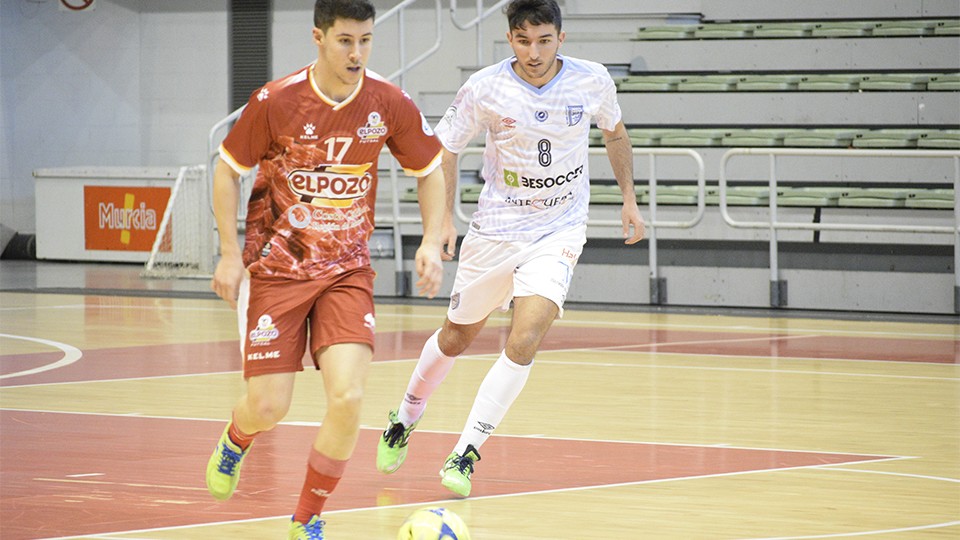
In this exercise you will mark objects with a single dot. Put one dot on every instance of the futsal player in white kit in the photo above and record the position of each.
(530, 225)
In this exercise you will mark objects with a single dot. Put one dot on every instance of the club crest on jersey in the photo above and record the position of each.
(373, 130)
(331, 186)
(574, 114)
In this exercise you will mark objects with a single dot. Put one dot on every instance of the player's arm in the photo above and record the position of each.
(230, 270)
(451, 178)
(431, 194)
(620, 153)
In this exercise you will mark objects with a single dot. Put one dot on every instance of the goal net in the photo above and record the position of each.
(184, 246)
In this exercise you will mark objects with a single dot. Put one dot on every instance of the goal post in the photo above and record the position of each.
(184, 246)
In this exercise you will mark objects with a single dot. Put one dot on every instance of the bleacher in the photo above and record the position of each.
(809, 81)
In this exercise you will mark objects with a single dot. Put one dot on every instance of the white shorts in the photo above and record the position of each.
(491, 273)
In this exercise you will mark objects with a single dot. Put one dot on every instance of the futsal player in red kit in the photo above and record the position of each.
(303, 274)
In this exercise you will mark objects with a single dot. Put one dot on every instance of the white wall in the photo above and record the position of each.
(134, 82)
(141, 82)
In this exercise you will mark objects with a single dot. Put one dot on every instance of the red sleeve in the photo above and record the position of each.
(249, 140)
(413, 143)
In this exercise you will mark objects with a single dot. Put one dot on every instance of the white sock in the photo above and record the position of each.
(498, 390)
(431, 369)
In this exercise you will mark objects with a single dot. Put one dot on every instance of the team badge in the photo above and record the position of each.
(574, 114)
(373, 130)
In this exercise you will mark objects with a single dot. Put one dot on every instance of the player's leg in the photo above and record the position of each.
(341, 324)
(541, 281)
(532, 317)
(274, 339)
(483, 283)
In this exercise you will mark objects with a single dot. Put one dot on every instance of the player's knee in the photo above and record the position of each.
(345, 402)
(269, 411)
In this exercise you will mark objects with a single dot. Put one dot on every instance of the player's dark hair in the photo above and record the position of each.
(522, 12)
(326, 12)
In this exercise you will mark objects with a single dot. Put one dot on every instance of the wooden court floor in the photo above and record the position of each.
(633, 425)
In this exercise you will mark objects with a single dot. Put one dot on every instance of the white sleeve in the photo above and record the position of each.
(609, 113)
(459, 124)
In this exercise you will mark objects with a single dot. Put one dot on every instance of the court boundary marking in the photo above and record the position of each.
(71, 355)
(838, 467)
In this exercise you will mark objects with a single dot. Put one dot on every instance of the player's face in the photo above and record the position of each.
(343, 51)
(536, 49)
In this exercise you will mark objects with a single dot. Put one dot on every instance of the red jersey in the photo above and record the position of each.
(310, 213)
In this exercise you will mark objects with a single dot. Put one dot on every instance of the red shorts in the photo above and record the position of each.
(278, 314)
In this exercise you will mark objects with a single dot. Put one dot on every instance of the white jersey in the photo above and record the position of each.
(535, 166)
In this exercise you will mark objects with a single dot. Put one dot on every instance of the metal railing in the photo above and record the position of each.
(476, 22)
(777, 289)
(657, 284)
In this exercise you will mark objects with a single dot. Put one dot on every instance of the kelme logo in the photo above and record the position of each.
(511, 178)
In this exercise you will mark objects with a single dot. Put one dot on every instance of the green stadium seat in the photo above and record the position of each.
(673, 195)
(903, 28)
(724, 30)
(755, 137)
(669, 31)
(842, 29)
(810, 197)
(768, 83)
(888, 138)
(693, 137)
(947, 28)
(930, 198)
(470, 193)
(783, 30)
(740, 195)
(610, 193)
(409, 195)
(596, 137)
(895, 81)
(844, 82)
(708, 83)
(649, 83)
(647, 136)
(873, 198)
(944, 82)
(948, 139)
(821, 138)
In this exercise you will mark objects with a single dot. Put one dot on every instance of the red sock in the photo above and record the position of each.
(238, 437)
(323, 474)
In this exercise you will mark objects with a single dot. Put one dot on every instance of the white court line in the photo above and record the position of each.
(70, 355)
(487, 497)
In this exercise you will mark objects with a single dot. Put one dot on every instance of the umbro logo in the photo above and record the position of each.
(485, 428)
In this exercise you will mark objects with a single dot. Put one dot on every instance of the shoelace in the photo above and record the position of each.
(228, 460)
(314, 529)
(462, 463)
(394, 435)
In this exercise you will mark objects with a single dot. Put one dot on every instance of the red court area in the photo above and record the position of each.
(181, 359)
(71, 474)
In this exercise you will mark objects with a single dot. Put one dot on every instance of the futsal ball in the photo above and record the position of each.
(433, 524)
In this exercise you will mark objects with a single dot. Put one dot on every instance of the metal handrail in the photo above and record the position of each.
(773, 225)
(475, 22)
(653, 223)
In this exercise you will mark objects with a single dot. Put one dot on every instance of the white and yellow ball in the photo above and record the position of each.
(433, 523)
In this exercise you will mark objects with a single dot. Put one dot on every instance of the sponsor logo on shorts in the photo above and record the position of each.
(265, 355)
(369, 321)
(265, 332)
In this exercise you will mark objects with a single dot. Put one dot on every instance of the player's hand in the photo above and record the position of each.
(632, 219)
(429, 269)
(448, 240)
(227, 278)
